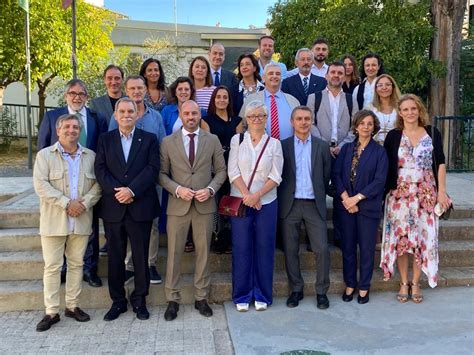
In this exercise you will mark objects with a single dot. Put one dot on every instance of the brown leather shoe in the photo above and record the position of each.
(203, 308)
(78, 314)
(47, 321)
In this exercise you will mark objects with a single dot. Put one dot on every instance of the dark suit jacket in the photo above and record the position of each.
(320, 175)
(103, 106)
(294, 87)
(139, 173)
(96, 124)
(370, 177)
(228, 78)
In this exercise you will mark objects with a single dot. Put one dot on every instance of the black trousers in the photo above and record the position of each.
(138, 233)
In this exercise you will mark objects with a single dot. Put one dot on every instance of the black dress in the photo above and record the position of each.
(224, 130)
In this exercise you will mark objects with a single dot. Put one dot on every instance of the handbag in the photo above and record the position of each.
(233, 206)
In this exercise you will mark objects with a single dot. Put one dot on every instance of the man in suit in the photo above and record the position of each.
(333, 117)
(320, 49)
(333, 120)
(64, 180)
(220, 76)
(150, 121)
(305, 83)
(279, 104)
(126, 167)
(113, 80)
(302, 198)
(192, 170)
(92, 125)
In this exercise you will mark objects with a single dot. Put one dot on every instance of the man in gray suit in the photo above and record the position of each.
(302, 198)
(113, 80)
(220, 76)
(333, 115)
(192, 170)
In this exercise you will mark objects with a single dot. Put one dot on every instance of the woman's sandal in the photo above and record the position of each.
(404, 297)
(416, 297)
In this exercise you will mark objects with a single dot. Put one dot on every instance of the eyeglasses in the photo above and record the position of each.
(382, 85)
(259, 117)
(73, 94)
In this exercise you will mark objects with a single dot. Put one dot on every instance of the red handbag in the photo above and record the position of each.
(234, 206)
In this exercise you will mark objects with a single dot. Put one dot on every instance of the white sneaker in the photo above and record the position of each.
(242, 307)
(260, 306)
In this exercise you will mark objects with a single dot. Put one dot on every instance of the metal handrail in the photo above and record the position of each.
(18, 111)
(458, 141)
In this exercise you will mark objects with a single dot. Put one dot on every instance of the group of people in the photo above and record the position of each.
(280, 140)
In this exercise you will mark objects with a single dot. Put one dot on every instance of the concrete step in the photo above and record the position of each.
(28, 265)
(28, 295)
(23, 239)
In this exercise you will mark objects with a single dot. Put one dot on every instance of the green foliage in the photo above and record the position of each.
(397, 30)
(467, 74)
(8, 126)
(50, 36)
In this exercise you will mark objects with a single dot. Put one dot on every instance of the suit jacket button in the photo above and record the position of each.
(192, 173)
(126, 176)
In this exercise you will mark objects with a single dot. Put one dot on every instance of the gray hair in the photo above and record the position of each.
(301, 50)
(253, 105)
(134, 77)
(303, 108)
(67, 117)
(75, 82)
(268, 66)
(125, 99)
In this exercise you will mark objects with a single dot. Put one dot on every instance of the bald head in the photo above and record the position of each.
(190, 115)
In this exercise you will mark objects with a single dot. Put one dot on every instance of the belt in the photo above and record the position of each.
(304, 199)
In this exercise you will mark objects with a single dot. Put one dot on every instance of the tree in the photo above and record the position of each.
(12, 45)
(467, 74)
(399, 31)
(50, 32)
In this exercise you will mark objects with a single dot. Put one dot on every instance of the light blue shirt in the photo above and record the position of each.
(284, 114)
(304, 184)
(151, 122)
(73, 172)
(126, 143)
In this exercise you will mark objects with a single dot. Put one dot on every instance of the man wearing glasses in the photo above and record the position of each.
(92, 125)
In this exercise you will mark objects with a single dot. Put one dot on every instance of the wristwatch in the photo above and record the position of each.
(359, 197)
(211, 191)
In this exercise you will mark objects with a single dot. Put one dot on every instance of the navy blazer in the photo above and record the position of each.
(96, 125)
(294, 87)
(139, 173)
(370, 177)
(228, 78)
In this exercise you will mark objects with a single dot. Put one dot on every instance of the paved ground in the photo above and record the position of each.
(442, 324)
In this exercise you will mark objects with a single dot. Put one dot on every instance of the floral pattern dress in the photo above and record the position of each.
(410, 224)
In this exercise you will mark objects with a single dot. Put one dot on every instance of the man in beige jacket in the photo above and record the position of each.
(65, 182)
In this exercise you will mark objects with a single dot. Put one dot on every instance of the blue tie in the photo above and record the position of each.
(305, 85)
(217, 82)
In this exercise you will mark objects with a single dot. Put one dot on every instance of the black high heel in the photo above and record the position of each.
(363, 299)
(348, 297)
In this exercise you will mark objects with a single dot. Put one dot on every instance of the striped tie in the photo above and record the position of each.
(305, 85)
(275, 126)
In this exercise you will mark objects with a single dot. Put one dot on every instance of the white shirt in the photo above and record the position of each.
(368, 92)
(73, 171)
(334, 104)
(387, 123)
(187, 139)
(302, 79)
(83, 113)
(242, 159)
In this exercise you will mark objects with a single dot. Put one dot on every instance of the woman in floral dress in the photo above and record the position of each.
(416, 182)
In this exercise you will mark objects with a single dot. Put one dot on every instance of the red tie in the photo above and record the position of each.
(275, 126)
(191, 148)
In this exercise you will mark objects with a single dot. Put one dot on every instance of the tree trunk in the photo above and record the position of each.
(2, 92)
(42, 85)
(447, 18)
